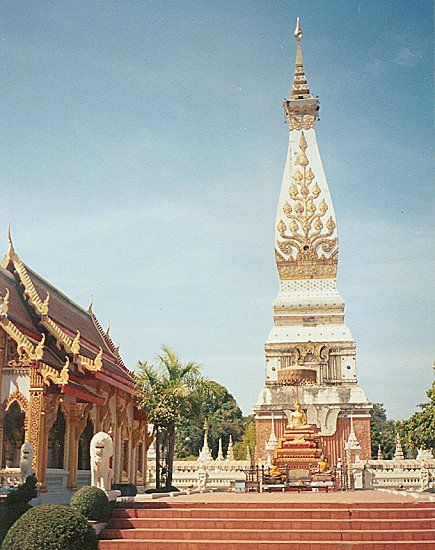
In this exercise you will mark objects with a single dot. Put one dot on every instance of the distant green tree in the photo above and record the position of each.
(224, 418)
(383, 431)
(419, 430)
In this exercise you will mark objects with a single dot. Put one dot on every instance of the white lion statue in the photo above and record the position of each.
(101, 453)
(26, 457)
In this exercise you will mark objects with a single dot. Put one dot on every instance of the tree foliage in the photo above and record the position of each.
(383, 431)
(224, 417)
(169, 392)
(248, 439)
(419, 430)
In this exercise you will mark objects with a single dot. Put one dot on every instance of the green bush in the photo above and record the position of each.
(16, 504)
(51, 527)
(92, 503)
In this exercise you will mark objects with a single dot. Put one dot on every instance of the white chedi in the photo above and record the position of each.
(26, 457)
(101, 453)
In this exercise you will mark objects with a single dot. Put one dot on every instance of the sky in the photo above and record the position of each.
(142, 151)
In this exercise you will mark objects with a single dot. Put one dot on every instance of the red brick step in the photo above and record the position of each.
(232, 523)
(164, 544)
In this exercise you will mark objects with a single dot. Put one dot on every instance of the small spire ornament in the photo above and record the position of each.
(398, 453)
(220, 455)
(230, 451)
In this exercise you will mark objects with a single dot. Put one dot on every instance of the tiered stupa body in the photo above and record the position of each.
(309, 346)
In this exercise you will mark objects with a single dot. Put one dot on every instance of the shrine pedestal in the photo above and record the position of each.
(298, 449)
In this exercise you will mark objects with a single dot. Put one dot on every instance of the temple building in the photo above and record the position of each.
(310, 352)
(61, 380)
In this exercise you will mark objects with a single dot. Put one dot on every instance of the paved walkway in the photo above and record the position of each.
(345, 497)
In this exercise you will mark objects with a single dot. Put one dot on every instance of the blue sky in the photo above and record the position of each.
(143, 145)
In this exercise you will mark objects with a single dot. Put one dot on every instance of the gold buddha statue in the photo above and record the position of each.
(323, 464)
(297, 418)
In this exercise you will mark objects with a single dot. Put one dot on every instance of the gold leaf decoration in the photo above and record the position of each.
(287, 209)
(4, 306)
(308, 249)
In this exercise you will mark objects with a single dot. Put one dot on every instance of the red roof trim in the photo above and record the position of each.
(83, 395)
(112, 382)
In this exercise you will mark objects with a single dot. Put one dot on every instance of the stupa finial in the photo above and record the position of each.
(298, 29)
(300, 88)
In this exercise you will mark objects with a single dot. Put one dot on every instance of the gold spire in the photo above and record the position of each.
(300, 88)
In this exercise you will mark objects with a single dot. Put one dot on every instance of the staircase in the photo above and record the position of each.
(249, 525)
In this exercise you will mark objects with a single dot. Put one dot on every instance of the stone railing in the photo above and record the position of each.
(83, 478)
(220, 474)
(405, 474)
(56, 479)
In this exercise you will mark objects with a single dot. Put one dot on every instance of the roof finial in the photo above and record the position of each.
(11, 251)
(91, 303)
(300, 88)
(10, 254)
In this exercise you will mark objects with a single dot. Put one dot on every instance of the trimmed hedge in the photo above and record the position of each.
(16, 504)
(92, 503)
(51, 527)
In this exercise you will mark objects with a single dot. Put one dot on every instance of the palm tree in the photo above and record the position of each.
(166, 393)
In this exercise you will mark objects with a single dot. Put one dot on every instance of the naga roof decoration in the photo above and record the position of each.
(4, 306)
(61, 318)
(71, 345)
(107, 338)
(50, 374)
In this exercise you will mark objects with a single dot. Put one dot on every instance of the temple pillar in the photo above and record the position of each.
(117, 454)
(67, 412)
(42, 414)
(77, 419)
(144, 464)
(2, 364)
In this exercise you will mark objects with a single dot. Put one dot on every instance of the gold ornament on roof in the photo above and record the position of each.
(75, 346)
(41, 306)
(27, 351)
(307, 247)
(50, 374)
(4, 306)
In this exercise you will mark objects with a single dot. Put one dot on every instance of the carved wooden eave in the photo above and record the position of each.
(25, 346)
(49, 374)
(72, 346)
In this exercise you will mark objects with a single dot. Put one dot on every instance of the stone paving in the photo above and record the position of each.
(365, 496)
